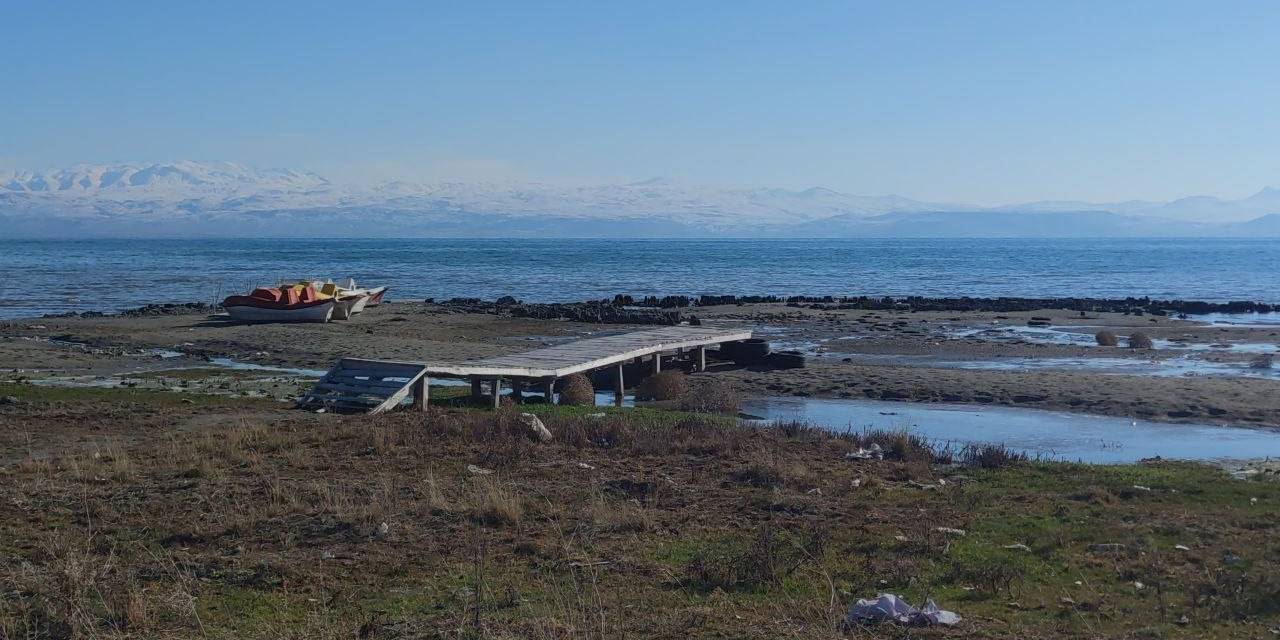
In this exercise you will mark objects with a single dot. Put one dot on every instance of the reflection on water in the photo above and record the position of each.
(1057, 435)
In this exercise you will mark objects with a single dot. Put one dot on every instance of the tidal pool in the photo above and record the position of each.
(1047, 434)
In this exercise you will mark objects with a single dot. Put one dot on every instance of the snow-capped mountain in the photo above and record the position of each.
(178, 180)
(225, 199)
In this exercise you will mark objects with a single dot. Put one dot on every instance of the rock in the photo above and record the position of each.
(537, 430)
(9, 400)
(951, 532)
(873, 453)
(1107, 547)
(382, 530)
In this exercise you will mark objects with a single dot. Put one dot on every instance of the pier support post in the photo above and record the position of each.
(657, 362)
(422, 393)
(550, 391)
(476, 391)
(517, 391)
(619, 387)
(496, 387)
(701, 364)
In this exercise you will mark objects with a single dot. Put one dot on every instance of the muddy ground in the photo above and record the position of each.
(914, 356)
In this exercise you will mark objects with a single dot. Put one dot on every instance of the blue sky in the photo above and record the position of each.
(978, 102)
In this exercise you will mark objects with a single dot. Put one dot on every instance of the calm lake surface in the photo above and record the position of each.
(38, 277)
(1071, 437)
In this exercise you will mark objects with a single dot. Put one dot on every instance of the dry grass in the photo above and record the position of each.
(640, 524)
(576, 390)
(665, 385)
(494, 504)
(710, 395)
(1139, 340)
(1106, 339)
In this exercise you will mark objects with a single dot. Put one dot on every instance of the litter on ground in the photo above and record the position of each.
(888, 607)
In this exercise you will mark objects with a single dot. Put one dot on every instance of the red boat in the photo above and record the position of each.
(289, 304)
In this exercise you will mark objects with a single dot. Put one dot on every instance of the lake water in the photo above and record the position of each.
(38, 277)
(1049, 434)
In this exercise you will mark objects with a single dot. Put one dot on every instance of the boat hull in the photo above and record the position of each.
(320, 312)
(375, 296)
(345, 308)
(360, 304)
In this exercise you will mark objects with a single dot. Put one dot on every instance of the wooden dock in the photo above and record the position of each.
(383, 384)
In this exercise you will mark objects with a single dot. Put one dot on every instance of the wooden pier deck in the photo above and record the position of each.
(384, 384)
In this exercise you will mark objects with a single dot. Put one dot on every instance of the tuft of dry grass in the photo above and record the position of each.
(665, 385)
(1139, 340)
(576, 390)
(710, 395)
(493, 504)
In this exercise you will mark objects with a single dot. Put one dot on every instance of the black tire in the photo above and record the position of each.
(751, 351)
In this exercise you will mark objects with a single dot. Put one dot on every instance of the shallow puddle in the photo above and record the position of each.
(1048, 434)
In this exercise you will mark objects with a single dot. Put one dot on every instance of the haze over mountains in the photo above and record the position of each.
(227, 200)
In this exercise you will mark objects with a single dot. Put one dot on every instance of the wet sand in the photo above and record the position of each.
(853, 354)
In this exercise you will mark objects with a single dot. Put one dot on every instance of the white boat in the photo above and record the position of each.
(375, 296)
(369, 297)
(361, 304)
(313, 313)
(346, 305)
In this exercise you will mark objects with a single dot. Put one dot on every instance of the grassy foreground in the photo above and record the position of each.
(640, 523)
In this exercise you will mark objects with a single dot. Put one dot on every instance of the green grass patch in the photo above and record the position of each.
(39, 393)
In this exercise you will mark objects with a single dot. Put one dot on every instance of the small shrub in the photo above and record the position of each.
(1262, 361)
(1094, 495)
(1139, 340)
(1106, 339)
(768, 557)
(667, 385)
(710, 396)
(901, 446)
(991, 571)
(990, 456)
(494, 505)
(576, 390)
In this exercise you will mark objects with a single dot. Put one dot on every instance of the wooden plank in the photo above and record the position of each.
(422, 393)
(352, 388)
(565, 359)
(372, 384)
(396, 397)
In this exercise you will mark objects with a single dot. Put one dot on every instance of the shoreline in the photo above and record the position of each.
(879, 355)
(678, 304)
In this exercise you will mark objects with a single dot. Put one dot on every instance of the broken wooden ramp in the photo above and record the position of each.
(375, 385)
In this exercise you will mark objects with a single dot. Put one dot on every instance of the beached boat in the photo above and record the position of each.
(349, 300)
(375, 296)
(372, 297)
(345, 306)
(282, 304)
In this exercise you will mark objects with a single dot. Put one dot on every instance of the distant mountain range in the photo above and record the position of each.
(224, 199)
